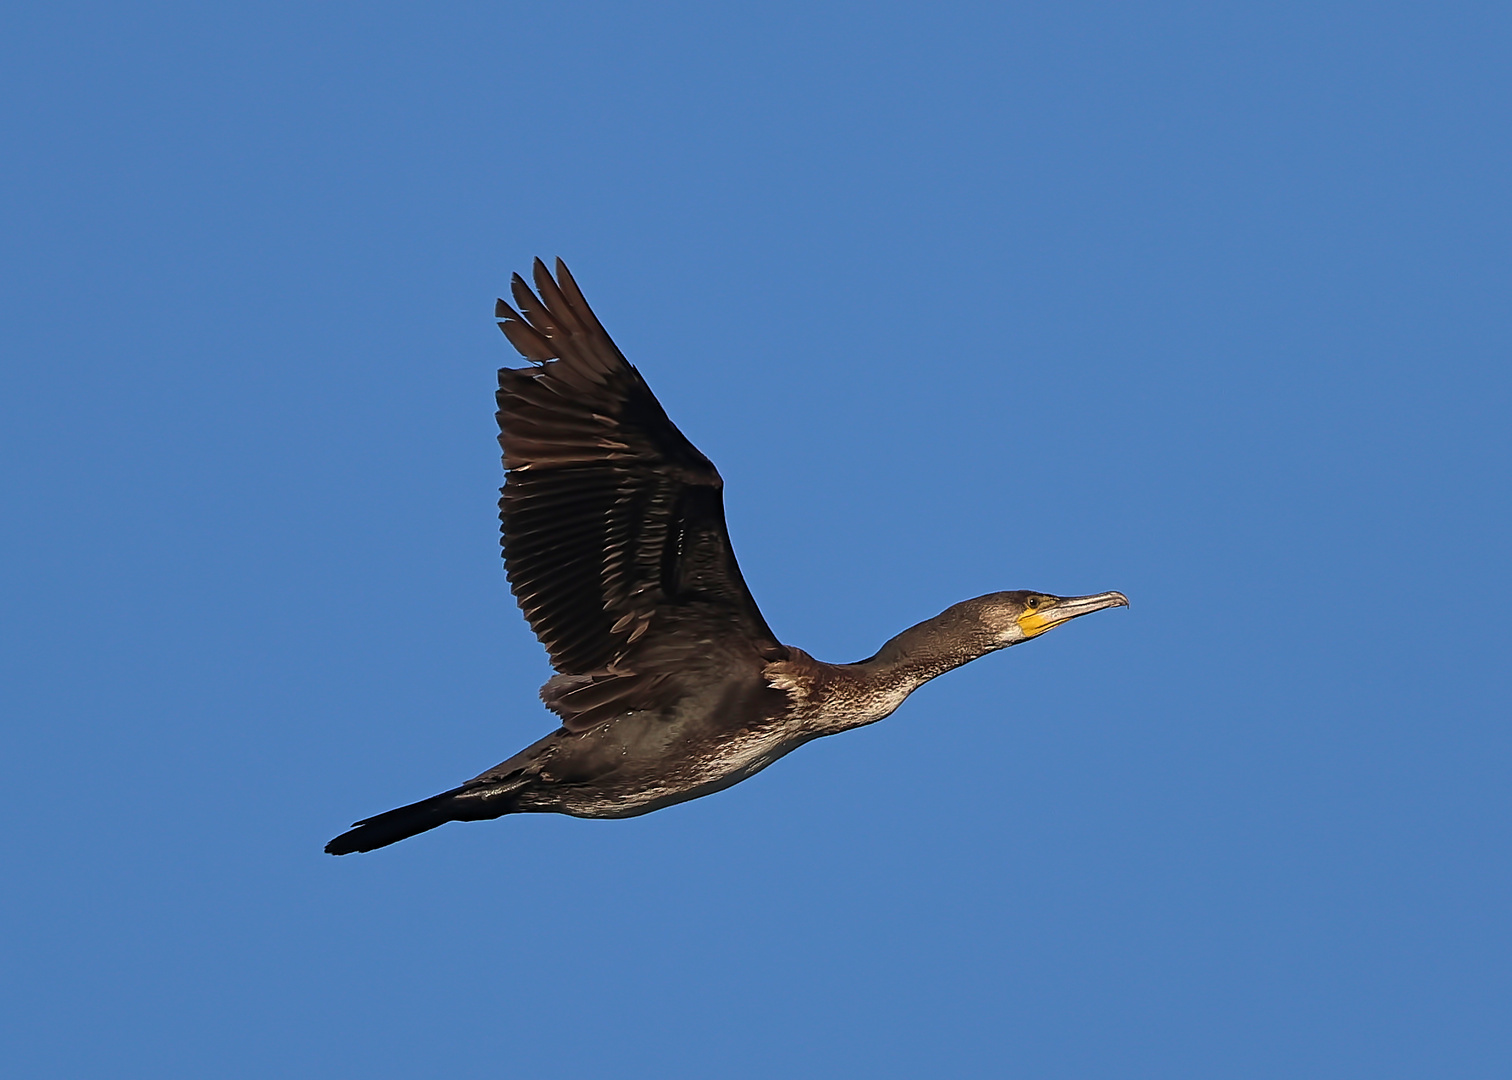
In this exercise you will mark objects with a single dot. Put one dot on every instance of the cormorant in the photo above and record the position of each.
(669, 683)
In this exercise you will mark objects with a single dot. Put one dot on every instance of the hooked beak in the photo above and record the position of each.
(1063, 609)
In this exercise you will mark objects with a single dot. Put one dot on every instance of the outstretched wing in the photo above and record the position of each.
(613, 523)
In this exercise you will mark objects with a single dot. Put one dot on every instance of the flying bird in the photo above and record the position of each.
(669, 683)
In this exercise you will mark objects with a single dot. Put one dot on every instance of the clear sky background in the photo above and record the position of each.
(1204, 302)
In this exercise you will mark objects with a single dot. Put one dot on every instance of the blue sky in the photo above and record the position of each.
(1206, 303)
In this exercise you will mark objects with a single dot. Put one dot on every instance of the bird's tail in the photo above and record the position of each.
(470, 802)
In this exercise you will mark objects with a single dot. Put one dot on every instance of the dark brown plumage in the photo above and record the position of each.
(670, 684)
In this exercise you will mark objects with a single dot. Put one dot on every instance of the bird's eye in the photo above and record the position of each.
(1033, 602)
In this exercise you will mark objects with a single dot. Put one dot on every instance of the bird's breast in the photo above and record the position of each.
(688, 770)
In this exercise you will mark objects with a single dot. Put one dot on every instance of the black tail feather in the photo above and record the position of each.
(459, 804)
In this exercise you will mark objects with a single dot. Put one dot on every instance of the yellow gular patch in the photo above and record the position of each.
(1034, 623)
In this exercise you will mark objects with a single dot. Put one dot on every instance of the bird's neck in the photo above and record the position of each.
(836, 697)
(923, 652)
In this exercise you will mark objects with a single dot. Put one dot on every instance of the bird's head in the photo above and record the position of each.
(1012, 617)
(974, 628)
